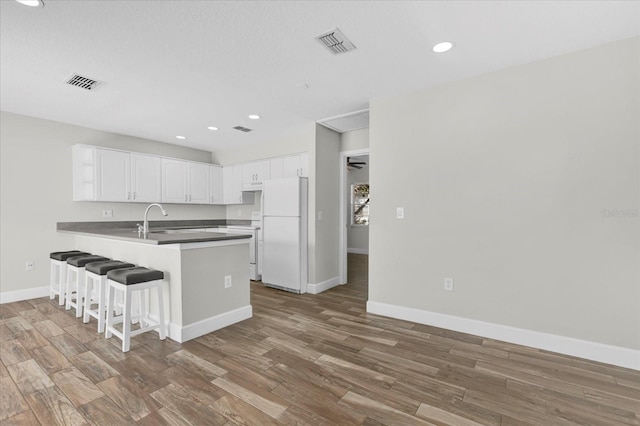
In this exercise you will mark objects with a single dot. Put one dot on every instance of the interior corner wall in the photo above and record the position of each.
(524, 186)
(36, 192)
(354, 140)
(324, 207)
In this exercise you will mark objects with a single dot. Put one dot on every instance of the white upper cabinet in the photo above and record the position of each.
(215, 185)
(254, 173)
(276, 167)
(174, 181)
(232, 186)
(295, 165)
(113, 175)
(146, 178)
(198, 184)
(185, 182)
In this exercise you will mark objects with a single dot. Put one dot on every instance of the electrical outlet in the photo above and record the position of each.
(448, 284)
(107, 213)
(400, 212)
(29, 265)
(227, 281)
(239, 212)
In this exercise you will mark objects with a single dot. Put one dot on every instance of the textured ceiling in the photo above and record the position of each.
(175, 67)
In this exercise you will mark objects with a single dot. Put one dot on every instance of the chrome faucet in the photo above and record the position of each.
(145, 227)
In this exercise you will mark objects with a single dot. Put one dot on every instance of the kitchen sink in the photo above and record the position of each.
(174, 231)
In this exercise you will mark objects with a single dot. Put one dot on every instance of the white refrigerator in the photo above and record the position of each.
(284, 223)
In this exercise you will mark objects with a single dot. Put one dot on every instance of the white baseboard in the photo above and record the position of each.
(26, 294)
(184, 333)
(594, 351)
(358, 250)
(323, 286)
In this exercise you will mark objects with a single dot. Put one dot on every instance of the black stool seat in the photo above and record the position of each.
(80, 261)
(135, 275)
(102, 267)
(64, 255)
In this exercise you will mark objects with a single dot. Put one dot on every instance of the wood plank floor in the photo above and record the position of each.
(301, 360)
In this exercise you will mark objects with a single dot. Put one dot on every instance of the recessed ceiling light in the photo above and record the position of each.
(212, 128)
(181, 137)
(32, 3)
(442, 47)
(254, 116)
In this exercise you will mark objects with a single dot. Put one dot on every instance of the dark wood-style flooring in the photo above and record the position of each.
(302, 359)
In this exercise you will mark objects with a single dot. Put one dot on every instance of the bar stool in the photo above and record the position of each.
(129, 281)
(95, 286)
(75, 269)
(58, 278)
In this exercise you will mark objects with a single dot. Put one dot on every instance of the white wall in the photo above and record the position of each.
(504, 179)
(324, 196)
(36, 192)
(358, 235)
(293, 142)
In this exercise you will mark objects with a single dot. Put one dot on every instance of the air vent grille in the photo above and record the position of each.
(242, 129)
(336, 42)
(82, 82)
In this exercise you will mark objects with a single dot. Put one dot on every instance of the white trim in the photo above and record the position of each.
(184, 333)
(614, 355)
(344, 195)
(323, 286)
(357, 250)
(26, 294)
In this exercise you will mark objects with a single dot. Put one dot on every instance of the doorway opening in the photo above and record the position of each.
(354, 207)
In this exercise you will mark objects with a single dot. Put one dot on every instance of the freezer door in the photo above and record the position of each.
(281, 197)
(282, 252)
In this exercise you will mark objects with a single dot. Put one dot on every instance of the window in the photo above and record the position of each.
(360, 204)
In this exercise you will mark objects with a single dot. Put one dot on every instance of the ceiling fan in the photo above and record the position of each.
(355, 164)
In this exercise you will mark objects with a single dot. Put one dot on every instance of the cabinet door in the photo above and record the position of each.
(290, 166)
(113, 175)
(215, 185)
(249, 174)
(253, 174)
(146, 178)
(236, 184)
(198, 183)
(263, 171)
(227, 185)
(174, 181)
(276, 164)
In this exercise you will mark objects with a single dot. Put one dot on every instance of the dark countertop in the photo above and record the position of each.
(126, 231)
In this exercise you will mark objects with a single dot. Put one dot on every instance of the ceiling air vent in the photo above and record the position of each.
(82, 82)
(336, 42)
(242, 129)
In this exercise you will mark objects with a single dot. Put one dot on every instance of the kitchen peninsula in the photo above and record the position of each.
(206, 284)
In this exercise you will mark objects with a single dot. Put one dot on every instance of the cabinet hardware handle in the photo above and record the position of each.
(128, 195)
(134, 195)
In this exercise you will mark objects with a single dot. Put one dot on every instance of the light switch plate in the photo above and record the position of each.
(107, 213)
(448, 284)
(400, 212)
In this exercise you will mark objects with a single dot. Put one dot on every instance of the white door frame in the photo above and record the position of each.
(344, 208)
